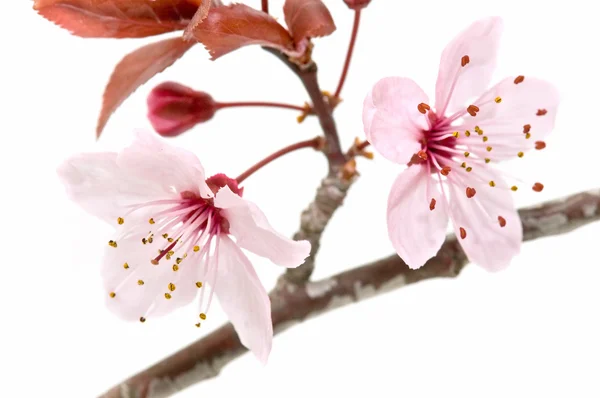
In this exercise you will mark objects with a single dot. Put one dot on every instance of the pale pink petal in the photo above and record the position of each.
(529, 106)
(252, 231)
(457, 84)
(416, 231)
(96, 183)
(152, 159)
(391, 119)
(487, 243)
(226, 198)
(129, 263)
(244, 299)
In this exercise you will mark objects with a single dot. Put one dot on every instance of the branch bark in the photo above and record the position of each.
(292, 304)
(330, 196)
(324, 112)
(333, 189)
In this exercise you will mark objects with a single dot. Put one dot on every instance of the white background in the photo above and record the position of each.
(531, 330)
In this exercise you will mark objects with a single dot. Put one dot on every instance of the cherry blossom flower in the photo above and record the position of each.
(173, 239)
(450, 146)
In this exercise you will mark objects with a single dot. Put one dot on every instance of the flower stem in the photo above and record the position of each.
(349, 54)
(315, 143)
(265, 6)
(222, 105)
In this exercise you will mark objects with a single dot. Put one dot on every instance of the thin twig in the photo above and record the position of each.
(308, 76)
(315, 143)
(222, 105)
(338, 90)
(292, 304)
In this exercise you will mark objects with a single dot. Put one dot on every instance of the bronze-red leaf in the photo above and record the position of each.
(119, 18)
(231, 27)
(200, 15)
(136, 69)
(307, 18)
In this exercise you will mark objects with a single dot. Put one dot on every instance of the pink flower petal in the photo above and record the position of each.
(487, 243)
(416, 231)
(244, 299)
(104, 184)
(139, 285)
(527, 107)
(457, 84)
(252, 231)
(391, 119)
(96, 183)
(152, 159)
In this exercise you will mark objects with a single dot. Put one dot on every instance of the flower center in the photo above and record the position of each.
(182, 229)
(195, 219)
(185, 231)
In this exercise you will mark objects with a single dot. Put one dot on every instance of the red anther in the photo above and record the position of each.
(472, 110)
(541, 112)
(463, 233)
(422, 155)
(539, 145)
(432, 204)
(502, 221)
(423, 108)
(526, 128)
(538, 187)
(464, 60)
(471, 192)
(519, 79)
(445, 170)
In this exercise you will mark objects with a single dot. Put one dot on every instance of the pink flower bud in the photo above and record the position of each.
(357, 4)
(174, 108)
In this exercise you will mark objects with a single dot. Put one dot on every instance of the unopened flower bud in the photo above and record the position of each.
(174, 108)
(357, 4)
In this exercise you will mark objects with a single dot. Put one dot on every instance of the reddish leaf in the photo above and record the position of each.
(230, 27)
(136, 69)
(119, 18)
(200, 15)
(307, 18)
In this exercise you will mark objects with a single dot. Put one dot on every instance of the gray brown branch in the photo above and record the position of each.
(292, 304)
(308, 76)
(314, 219)
(334, 187)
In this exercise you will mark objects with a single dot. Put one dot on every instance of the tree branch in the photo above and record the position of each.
(334, 187)
(330, 196)
(292, 304)
(308, 76)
